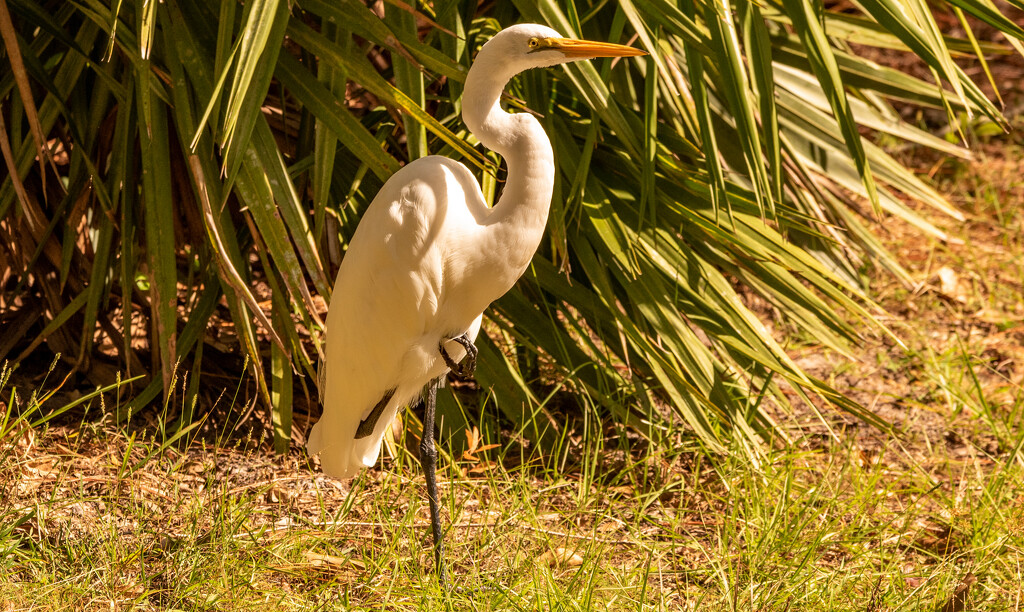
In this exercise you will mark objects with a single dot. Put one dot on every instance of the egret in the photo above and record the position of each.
(428, 257)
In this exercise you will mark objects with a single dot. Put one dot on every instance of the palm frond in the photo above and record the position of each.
(210, 163)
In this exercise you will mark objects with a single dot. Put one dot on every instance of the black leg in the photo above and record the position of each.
(468, 365)
(428, 458)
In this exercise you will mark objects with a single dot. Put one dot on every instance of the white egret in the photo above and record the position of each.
(428, 257)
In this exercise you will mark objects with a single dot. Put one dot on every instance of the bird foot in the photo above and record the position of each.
(465, 368)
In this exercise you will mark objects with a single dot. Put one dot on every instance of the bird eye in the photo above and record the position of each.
(534, 43)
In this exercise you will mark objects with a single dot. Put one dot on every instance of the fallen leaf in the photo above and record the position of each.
(197, 468)
(609, 525)
(562, 557)
(331, 562)
(996, 317)
(481, 468)
(472, 439)
(26, 441)
(276, 495)
(471, 455)
(43, 467)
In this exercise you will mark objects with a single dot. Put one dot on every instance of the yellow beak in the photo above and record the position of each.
(588, 48)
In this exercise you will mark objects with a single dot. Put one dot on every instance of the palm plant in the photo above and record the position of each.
(180, 163)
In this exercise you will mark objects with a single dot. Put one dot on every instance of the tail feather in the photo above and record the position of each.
(342, 455)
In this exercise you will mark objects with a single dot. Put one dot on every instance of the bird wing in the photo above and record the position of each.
(383, 321)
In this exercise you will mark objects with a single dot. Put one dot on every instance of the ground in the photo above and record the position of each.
(929, 517)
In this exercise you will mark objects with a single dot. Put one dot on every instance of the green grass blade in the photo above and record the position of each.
(409, 80)
(819, 53)
(361, 72)
(335, 116)
(261, 40)
(356, 17)
(756, 40)
(159, 221)
(334, 80)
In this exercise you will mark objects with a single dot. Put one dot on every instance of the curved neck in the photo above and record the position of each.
(522, 209)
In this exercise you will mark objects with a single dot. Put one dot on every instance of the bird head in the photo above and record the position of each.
(509, 52)
(529, 45)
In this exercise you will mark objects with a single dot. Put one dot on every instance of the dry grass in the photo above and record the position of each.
(931, 518)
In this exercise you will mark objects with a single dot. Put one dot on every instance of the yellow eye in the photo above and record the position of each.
(534, 43)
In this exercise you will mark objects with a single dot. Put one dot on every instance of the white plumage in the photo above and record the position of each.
(405, 284)
(429, 256)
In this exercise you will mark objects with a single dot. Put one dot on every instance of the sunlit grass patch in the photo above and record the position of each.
(601, 518)
(834, 526)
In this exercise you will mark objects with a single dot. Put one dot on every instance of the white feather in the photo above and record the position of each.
(429, 256)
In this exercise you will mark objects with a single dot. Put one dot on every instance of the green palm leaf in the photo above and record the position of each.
(220, 156)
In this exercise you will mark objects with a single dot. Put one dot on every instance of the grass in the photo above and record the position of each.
(931, 518)
(839, 527)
